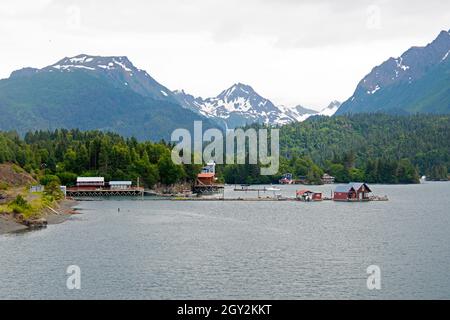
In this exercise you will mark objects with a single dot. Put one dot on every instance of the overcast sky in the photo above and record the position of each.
(292, 52)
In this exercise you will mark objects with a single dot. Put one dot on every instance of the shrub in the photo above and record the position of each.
(19, 205)
(49, 178)
(67, 178)
(53, 190)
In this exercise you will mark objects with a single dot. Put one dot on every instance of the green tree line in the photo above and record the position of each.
(374, 148)
(65, 154)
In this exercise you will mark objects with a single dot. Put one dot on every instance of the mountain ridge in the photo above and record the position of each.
(240, 105)
(104, 93)
(416, 82)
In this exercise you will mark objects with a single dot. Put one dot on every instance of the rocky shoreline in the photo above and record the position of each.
(61, 213)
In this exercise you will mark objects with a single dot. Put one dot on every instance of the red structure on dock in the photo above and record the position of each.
(207, 181)
(307, 195)
(286, 179)
(354, 191)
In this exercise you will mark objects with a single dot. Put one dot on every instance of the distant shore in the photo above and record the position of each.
(62, 212)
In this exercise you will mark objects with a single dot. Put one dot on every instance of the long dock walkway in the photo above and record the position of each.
(81, 192)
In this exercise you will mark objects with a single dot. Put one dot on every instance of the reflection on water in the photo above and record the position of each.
(205, 250)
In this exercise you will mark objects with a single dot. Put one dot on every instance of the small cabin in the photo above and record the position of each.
(209, 168)
(327, 179)
(206, 179)
(38, 188)
(286, 179)
(207, 176)
(120, 185)
(63, 190)
(354, 191)
(90, 182)
(307, 195)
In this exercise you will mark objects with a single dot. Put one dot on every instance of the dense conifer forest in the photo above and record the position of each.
(373, 148)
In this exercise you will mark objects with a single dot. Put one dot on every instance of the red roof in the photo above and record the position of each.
(302, 192)
(205, 175)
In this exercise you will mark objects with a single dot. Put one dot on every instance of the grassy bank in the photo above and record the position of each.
(28, 206)
(19, 206)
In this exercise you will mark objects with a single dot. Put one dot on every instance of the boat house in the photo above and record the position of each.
(206, 182)
(307, 195)
(327, 179)
(90, 182)
(96, 187)
(206, 178)
(207, 175)
(354, 191)
(120, 185)
(286, 179)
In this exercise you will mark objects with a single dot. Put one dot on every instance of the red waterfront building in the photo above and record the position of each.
(354, 191)
(307, 195)
(90, 182)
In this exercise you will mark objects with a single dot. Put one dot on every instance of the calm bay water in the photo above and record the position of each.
(255, 250)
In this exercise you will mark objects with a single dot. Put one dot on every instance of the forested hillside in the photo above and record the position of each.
(84, 100)
(371, 147)
(374, 148)
(423, 139)
(66, 154)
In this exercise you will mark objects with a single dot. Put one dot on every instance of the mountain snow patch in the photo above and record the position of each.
(374, 90)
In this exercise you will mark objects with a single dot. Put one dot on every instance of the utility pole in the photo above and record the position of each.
(142, 191)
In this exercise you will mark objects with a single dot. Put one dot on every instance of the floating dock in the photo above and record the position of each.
(264, 189)
(268, 199)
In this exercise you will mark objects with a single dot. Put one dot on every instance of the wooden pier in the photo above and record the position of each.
(83, 192)
(262, 199)
(207, 189)
(200, 199)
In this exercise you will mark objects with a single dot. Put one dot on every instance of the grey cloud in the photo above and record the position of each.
(285, 23)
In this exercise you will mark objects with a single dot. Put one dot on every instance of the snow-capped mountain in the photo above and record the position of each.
(417, 81)
(240, 105)
(297, 113)
(117, 70)
(300, 113)
(331, 109)
(92, 93)
(236, 106)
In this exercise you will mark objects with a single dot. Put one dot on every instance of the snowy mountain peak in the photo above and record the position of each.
(300, 113)
(331, 109)
(241, 104)
(236, 90)
(383, 89)
(333, 104)
(93, 63)
(118, 70)
(236, 106)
